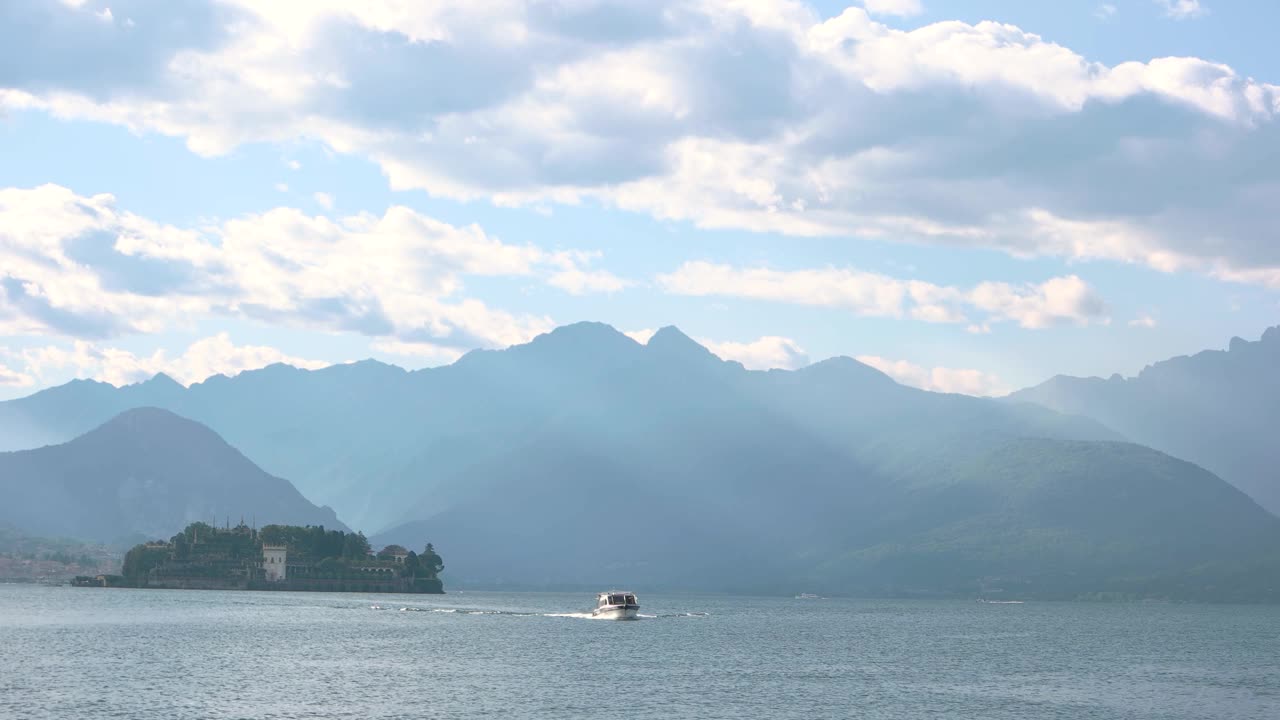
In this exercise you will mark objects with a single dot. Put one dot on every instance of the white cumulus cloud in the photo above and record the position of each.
(642, 335)
(762, 353)
(419, 352)
(1056, 301)
(82, 267)
(759, 115)
(938, 379)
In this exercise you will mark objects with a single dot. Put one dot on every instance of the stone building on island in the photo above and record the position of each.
(275, 565)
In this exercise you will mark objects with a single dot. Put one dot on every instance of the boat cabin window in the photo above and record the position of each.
(631, 599)
(617, 600)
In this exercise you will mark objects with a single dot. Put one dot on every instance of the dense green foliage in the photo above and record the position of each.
(315, 542)
(204, 551)
(142, 559)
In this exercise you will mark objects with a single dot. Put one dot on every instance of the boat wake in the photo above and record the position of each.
(511, 613)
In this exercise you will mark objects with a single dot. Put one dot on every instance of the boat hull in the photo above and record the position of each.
(617, 612)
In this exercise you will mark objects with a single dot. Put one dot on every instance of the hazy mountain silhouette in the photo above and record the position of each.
(584, 457)
(341, 432)
(145, 473)
(1219, 409)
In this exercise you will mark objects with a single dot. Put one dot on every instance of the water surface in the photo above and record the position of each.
(96, 653)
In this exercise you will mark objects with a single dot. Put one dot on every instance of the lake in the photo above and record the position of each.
(100, 653)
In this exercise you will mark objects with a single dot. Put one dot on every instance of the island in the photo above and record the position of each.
(275, 557)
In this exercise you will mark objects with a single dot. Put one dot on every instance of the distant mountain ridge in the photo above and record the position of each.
(1217, 408)
(337, 431)
(585, 458)
(146, 473)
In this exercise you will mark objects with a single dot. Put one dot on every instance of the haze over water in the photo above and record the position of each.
(164, 654)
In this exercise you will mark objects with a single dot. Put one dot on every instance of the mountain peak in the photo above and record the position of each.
(670, 342)
(583, 330)
(159, 390)
(574, 343)
(844, 366)
(161, 379)
(578, 338)
(151, 419)
(670, 333)
(671, 337)
(368, 367)
(146, 471)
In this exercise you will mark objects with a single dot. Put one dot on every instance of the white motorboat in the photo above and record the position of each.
(616, 605)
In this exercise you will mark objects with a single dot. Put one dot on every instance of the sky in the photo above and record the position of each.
(971, 196)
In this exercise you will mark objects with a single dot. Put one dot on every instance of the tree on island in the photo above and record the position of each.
(412, 567)
(355, 546)
(430, 562)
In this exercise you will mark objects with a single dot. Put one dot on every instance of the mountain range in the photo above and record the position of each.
(1217, 408)
(145, 474)
(585, 457)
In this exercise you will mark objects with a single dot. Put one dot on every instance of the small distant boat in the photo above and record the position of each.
(1000, 602)
(808, 596)
(616, 605)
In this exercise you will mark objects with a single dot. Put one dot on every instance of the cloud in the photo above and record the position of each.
(902, 8)
(10, 377)
(419, 351)
(1056, 301)
(763, 353)
(324, 200)
(1105, 11)
(282, 187)
(81, 267)
(1182, 9)
(863, 292)
(727, 114)
(938, 379)
(215, 355)
(1144, 320)
(574, 278)
(641, 336)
